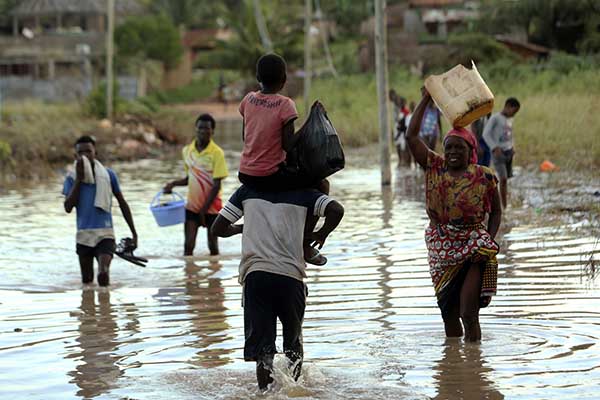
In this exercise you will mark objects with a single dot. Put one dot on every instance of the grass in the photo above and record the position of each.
(34, 135)
(203, 85)
(37, 131)
(557, 121)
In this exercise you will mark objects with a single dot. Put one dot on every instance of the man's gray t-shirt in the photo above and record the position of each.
(273, 228)
(498, 132)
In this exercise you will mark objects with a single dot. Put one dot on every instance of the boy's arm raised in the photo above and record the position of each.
(73, 197)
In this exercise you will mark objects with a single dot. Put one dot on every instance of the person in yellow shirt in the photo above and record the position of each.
(205, 168)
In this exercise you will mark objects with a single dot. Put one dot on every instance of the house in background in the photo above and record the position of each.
(194, 42)
(417, 30)
(524, 49)
(57, 48)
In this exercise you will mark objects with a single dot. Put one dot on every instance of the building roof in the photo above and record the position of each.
(434, 3)
(49, 7)
(534, 48)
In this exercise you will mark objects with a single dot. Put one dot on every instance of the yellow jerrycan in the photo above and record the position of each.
(461, 95)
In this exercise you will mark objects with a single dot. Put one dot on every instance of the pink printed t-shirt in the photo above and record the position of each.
(264, 117)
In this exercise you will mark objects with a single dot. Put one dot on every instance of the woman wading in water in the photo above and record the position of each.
(461, 251)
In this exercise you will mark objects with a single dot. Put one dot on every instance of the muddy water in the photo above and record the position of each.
(372, 329)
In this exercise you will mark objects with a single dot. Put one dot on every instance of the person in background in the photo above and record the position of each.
(431, 126)
(205, 168)
(407, 156)
(272, 268)
(483, 151)
(90, 190)
(459, 195)
(221, 89)
(498, 135)
(400, 132)
(393, 98)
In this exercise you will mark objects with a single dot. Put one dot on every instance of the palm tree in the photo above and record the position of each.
(245, 46)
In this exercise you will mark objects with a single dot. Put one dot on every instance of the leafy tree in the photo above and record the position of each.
(241, 51)
(349, 14)
(5, 7)
(149, 38)
(478, 47)
(591, 40)
(191, 13)
(559, 24)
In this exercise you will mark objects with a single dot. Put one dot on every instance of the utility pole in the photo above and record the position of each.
(307, 54)
(110, 12)
(262, 27)
(324, 38)
(382, 91)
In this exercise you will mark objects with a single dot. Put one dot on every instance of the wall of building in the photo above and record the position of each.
(60, 89)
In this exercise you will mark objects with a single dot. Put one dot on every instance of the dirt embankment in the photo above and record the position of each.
(219, 111)
(33, 147)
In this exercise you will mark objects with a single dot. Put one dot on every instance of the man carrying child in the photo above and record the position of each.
(272, 267)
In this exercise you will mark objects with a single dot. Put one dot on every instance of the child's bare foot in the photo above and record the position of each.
(312, 256)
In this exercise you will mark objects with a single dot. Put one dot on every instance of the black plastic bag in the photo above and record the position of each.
(319, 151)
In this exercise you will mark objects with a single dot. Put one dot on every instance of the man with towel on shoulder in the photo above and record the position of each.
(90, 190)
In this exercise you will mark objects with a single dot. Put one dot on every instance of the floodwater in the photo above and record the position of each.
(174, 330)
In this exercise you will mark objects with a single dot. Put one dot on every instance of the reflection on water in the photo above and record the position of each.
(461, 373)
(97, 368)
(205, 297)
(372, 328)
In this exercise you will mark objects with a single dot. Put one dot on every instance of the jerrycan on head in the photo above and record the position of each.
(461, 95)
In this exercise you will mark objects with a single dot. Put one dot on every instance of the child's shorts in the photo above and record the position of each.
(105, 246)
(195, 217)
(267, 297)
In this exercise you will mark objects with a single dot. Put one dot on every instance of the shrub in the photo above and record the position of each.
(5, 152)
(478, 47)
(95, 103)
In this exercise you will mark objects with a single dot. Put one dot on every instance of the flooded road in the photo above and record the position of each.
(372, 328)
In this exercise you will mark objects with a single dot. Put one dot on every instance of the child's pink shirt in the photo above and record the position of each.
(264, 117)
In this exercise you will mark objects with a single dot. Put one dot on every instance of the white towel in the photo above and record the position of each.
(103, 198)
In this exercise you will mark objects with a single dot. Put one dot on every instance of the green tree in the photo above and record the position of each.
(241, 51)
(559, 24)
(149, 38)
(591, 40)
(191, 13)
(5, 7)
(349, 14)
(478, 47)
